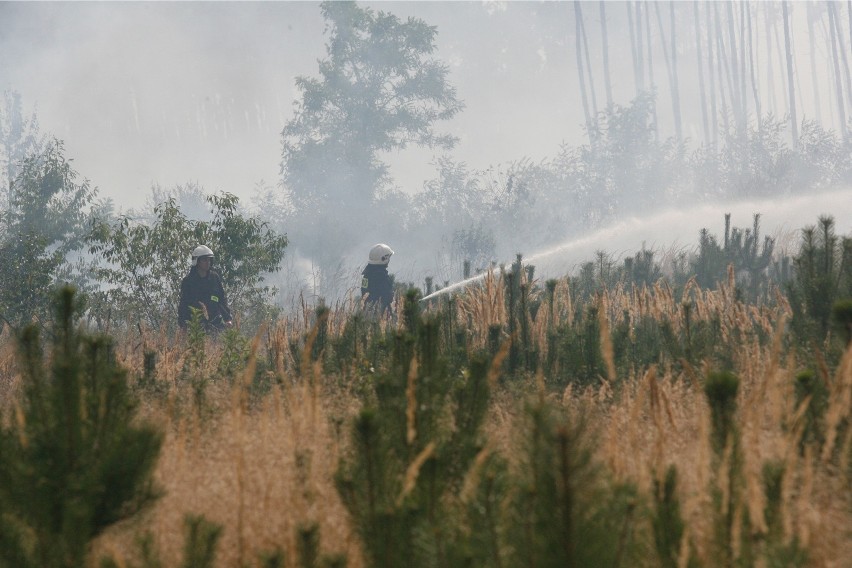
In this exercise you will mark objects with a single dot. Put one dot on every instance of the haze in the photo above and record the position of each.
(165, 93)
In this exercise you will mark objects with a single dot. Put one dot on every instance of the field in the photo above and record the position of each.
(566, 461)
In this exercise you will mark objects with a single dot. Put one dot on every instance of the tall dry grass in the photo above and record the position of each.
(264, 468)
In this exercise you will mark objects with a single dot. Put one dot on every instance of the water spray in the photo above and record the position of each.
(673, 226)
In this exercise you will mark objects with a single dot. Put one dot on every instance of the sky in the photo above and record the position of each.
(167, 93)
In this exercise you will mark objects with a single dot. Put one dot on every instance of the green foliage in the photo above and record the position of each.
(625, 168)
(193, 369)
(564, 512)
(412, 447)
(721, 389)
(742, 249)
(379, 89)
(821, 277)
(46, 220)
(199, 550)
(145, 263)
(667, 522)
(73, 463)
(19, 138)
(752, 542)
(809, 386)
(841, 314)
(235, 354)
(200, 545)
(308, 550)
(475, 244)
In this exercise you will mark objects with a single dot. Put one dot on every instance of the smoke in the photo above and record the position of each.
(163, 93)
(678, 229)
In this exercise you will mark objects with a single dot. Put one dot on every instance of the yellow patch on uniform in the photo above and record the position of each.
(365, 283)
(214, 298)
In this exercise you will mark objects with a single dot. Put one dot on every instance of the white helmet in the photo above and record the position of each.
(200, 251)
(380, 254)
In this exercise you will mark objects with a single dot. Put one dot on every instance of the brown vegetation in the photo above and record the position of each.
(264, 466)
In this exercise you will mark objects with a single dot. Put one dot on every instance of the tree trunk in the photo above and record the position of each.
(652, 85)
(753, 74)
(849, 13)
(841, 45)
(714, 122)
(675, 82)
(700, 62)
(829, 69)
(814, 82)
(734, 71)
(578, 32)
(783, 73)
(670, 69)
(605, 43)
(724, 71)
(589, 69)
(833, 29)
(640, 61)
(743, 61)
(794, 126)
(633, 50)
(770, 78)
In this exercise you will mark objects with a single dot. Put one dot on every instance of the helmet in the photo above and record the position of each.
(380, 254)
(200, 251)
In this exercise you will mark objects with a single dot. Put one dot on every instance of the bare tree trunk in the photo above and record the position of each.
(640, 62)
(724, 71)
(578, 16)
(743, 61)
(714, 123)
(670, 69)
(814, 82)
(796, 75)
(589, 69)
(841, 110)
(751, 65)
(770, 78)
(849, 13)
(829, 69)
(605, 42)
(700, 62)
(675, 82)
(734, 73)
(633, 49)
(841, 45)
(781, 63)
(653, 85)
(794, 126)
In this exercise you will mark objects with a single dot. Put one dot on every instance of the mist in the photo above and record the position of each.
(165, 94)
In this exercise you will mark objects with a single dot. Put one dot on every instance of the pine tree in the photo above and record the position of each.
(72, 462)
(413, 445)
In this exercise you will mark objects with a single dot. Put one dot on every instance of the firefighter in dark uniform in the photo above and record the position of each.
(375, 280)
(202, 290)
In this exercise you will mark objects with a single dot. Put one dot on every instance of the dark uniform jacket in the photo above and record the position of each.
(376, 282)
(196, 291)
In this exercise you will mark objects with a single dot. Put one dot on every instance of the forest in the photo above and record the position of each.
(668, 404)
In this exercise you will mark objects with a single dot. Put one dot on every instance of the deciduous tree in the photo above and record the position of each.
(145, 262)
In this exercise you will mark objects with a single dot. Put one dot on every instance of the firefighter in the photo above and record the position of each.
(202, 290)
(376, 285)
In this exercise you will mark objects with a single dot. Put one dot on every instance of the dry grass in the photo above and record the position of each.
(260, 472)
(263, 470)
